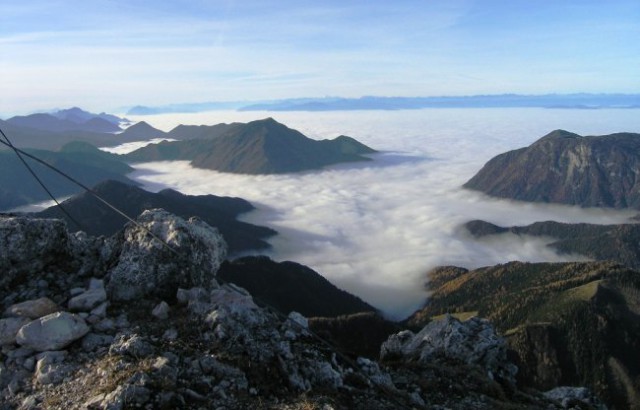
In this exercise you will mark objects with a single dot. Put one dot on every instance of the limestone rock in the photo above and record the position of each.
(147, 267)
(50, 368)
(9, 328)
(33, 309)
(28, 245)
(161, 311)
(473, 342)
(52, 332)
(574, 397)
(131, 345)
(87, 301)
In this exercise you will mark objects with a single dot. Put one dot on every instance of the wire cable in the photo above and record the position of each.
(22, 153)
(35, 176)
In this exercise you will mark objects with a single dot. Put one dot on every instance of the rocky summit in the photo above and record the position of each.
(142, 320)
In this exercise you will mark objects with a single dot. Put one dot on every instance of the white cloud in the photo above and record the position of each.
(132, 146)
(375, 229)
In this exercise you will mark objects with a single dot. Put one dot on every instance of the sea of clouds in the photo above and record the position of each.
(376, 228)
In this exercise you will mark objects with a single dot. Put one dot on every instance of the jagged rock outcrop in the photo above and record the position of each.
(473, 342)
(567, 168)
(163, 252)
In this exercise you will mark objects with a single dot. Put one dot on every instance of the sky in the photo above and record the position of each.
(107, 55)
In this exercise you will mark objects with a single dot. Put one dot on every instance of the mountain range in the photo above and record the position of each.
(258, 147)
(563, 167)
(51, 131)
(565, 323)
(580, 100)
(72, 119)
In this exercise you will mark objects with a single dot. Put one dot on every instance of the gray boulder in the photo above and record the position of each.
(161, 311)
(472, 342)
(9, 329)
(146, 267)
(33, 309)
(88, 300)
(52, 332)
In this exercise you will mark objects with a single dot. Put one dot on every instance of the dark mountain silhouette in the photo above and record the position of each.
(84, 162)
(26, 137)
(567, 168)
(48, 122)
(187, 132)
(566, 323)
(79, 116)
(220, 212)
(258, 147)
(618, 243)
(289, 286)
(142, 131)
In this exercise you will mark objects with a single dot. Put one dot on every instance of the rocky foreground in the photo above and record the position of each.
(130, 322)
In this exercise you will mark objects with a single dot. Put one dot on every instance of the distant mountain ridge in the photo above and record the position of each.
(599, 242)
(563, 167)
(72, 119)
(577, 100)
(51, 131)
(258, 147)
(78, 115)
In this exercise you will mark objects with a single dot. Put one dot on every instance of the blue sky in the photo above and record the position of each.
(106, 54)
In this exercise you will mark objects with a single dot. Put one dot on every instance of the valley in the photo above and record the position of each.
(364, 233)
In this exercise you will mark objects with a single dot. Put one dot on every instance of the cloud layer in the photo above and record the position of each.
(375, 229)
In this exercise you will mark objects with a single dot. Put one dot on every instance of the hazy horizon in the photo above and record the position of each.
(108, 54)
